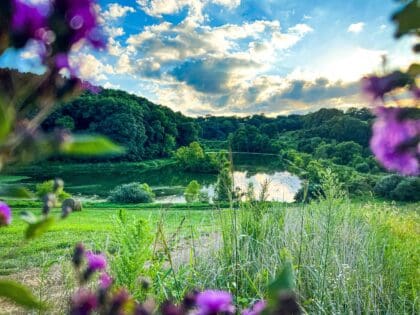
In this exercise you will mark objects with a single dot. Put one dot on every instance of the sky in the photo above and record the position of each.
(240, 57)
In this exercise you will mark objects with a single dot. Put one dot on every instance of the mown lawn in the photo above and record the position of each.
(91, 226)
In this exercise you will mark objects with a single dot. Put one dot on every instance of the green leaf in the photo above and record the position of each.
(414, 70)
(6, 118)
(15, 192)
(38, 228)
(285, 281)
(87, 145)
(408, 19)
(28, 217)
(19, 294)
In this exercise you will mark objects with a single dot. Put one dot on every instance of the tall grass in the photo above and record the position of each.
(348, 259)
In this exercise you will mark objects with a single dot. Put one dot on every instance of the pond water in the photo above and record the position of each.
(169, 182)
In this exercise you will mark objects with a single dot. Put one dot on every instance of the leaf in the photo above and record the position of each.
(19, 294)
(414, 70)
(38, 228)
(408, 19)
(87, 145)
(28, 217)
(6, 118)
(285, 281)
(15, 192)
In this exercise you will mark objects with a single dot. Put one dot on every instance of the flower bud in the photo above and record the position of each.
(78, 254)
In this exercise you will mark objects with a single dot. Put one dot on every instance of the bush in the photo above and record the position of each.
(47, 187)
(132, 193)
(407, 190)
(314, 193)
(192, 192)
(362, 167)
(359, 185)
(386, 185)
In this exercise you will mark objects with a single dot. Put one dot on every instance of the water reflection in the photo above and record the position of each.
(282, 186)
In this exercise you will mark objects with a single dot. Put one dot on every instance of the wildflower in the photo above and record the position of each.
(83, 302)
(79, 251)
(5, 214)
(105, 281)
(376, 87)
(213, 302)
(190, 300)
(118, 301)
(28, 22)
(75, 20)
(256, 309)
(395, 141)
(95, 262)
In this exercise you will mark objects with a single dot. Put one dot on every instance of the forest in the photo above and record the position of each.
(307, 144)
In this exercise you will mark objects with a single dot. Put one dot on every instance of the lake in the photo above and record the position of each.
(169, 182)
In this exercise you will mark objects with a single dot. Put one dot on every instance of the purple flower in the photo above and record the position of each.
(256, 309)
(376, 87)
(74, 20)
(95, 262)
(416, 92)
(83, 302)
(5, 214)
(120, 298)
(28, 22)
(395, 141)
(105, 281)
(79, 251)
(213, 302)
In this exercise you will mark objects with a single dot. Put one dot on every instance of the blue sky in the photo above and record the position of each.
(241, 57)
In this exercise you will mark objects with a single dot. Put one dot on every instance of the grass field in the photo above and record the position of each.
(349, 257)
(91, 226)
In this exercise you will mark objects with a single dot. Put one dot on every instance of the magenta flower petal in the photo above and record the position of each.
(256, 309)
(5, 214)
(105, 281)
(28, 22)
(213, 302)
(375, 87)
(81, 21)
(95, 262)
(395, 141)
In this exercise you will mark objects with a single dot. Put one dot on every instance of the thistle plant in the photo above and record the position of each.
(396, 131)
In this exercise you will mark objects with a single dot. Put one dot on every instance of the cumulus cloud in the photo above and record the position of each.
(115, 11)
(91, 69)
(158, 8)
(356, 27)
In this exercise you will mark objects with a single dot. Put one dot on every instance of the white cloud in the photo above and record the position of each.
(356, 27)
(114, 31)
(158, 8)
(91, 69)
(115, 11)
(228, 3)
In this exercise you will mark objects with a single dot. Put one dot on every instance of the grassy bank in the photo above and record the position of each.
(57, 167)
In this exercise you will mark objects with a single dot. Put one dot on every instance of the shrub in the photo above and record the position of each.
(314, 193)
(47, 187)
(73, 204)
(359, 185)
(132, 193)
(192, 192)
(407, 190)
(362, 167)
(386, 185)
